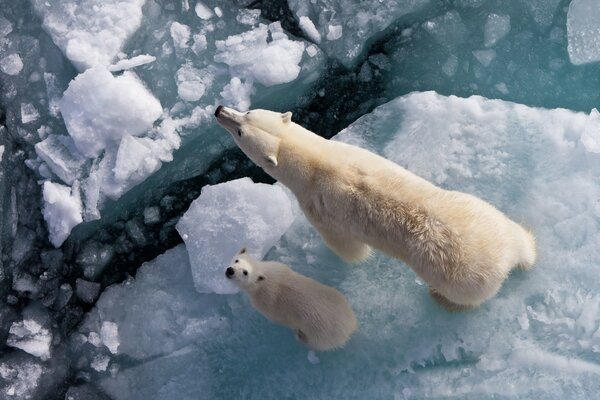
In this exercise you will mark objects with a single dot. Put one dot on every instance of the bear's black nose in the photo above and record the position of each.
(218, 110)
(229, 272)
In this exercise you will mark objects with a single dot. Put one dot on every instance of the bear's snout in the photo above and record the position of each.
(218, 111)
(229, 272)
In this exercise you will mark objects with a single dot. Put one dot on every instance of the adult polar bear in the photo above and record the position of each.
(463, 247)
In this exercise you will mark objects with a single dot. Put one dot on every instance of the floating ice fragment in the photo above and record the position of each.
(583, 31)
(313, 358)
(11, 64)
(99, 109)
(234, 214)
(31, 337)
(191, 83)
(485, 57)
(309, 29)
(180, 34)
(237, 94)
(86, 290)
(62, 210)
(100, 362)
(334, 32)
(28, 113)
(152, 215)
(90, 32)
(450, 67)
(203, 11)
(62, 157)
(448, 29)
(251, 55)
(496, 27)
(542, 11)
(133, 62)
(109, 334)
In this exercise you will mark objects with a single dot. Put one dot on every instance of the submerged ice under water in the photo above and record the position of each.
(106, 107)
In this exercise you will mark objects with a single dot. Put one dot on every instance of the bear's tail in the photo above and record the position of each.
(527, 249)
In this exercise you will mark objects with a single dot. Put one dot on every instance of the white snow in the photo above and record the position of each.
(20, 379)
(583, 30)
(234, 214)
(496, 28)
(251, 55)
(133, 62)
(11, 64)
(31, 337)
(62, 210)
(99, 109)
(590, 137)
(90, 32)
(309, 29)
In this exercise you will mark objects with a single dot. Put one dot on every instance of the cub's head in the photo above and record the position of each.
(257, 132)
(244, 272)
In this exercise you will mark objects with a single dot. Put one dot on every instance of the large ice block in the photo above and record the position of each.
(90, 32)
(99, 109)
(227, 217)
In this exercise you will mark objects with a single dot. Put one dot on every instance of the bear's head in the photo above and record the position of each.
(257, 132)
(244, 272)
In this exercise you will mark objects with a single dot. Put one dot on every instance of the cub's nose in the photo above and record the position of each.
(229, 272)
(218, 111)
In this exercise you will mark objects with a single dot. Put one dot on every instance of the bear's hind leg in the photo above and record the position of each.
(349, 249)
(447, 304)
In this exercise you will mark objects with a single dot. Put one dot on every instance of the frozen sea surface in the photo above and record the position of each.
(121, 200)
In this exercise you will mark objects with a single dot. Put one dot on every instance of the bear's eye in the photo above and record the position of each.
(261, 278)
(239, 132)
(245, 272)
(237, 261)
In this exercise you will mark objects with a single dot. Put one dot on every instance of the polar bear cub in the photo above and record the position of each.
(319, 315)
(463, 247)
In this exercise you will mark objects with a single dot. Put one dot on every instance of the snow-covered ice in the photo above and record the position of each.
(31, 337)
(226, 218)
(62, 210)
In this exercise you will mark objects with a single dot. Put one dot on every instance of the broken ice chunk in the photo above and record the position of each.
(334, 32)
(151, 215)
(180, 34)
(62, 211)
(61, 156)
(11, 64)
(192, 83)
(31, 337)
(583, 31)
(133, 62)
(99, 109)
(496, 27)
(448, 29)
(309, 29)
(542, 11)
(234, 214)
(90, 32)
(202, 11)
(28, 113)
(94, 257)
(485, 57)
(237, 94)
(109, 334)
(252, 55)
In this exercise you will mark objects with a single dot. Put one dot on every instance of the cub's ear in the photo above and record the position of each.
(261, 278)
(242, 251)
(286, 117)
(272, 160)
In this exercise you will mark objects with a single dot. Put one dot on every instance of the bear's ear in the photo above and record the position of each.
(242, 251)
(271, 160)
(286, 117)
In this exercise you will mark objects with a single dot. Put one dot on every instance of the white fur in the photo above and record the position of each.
(463, 247)
(319, 315)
